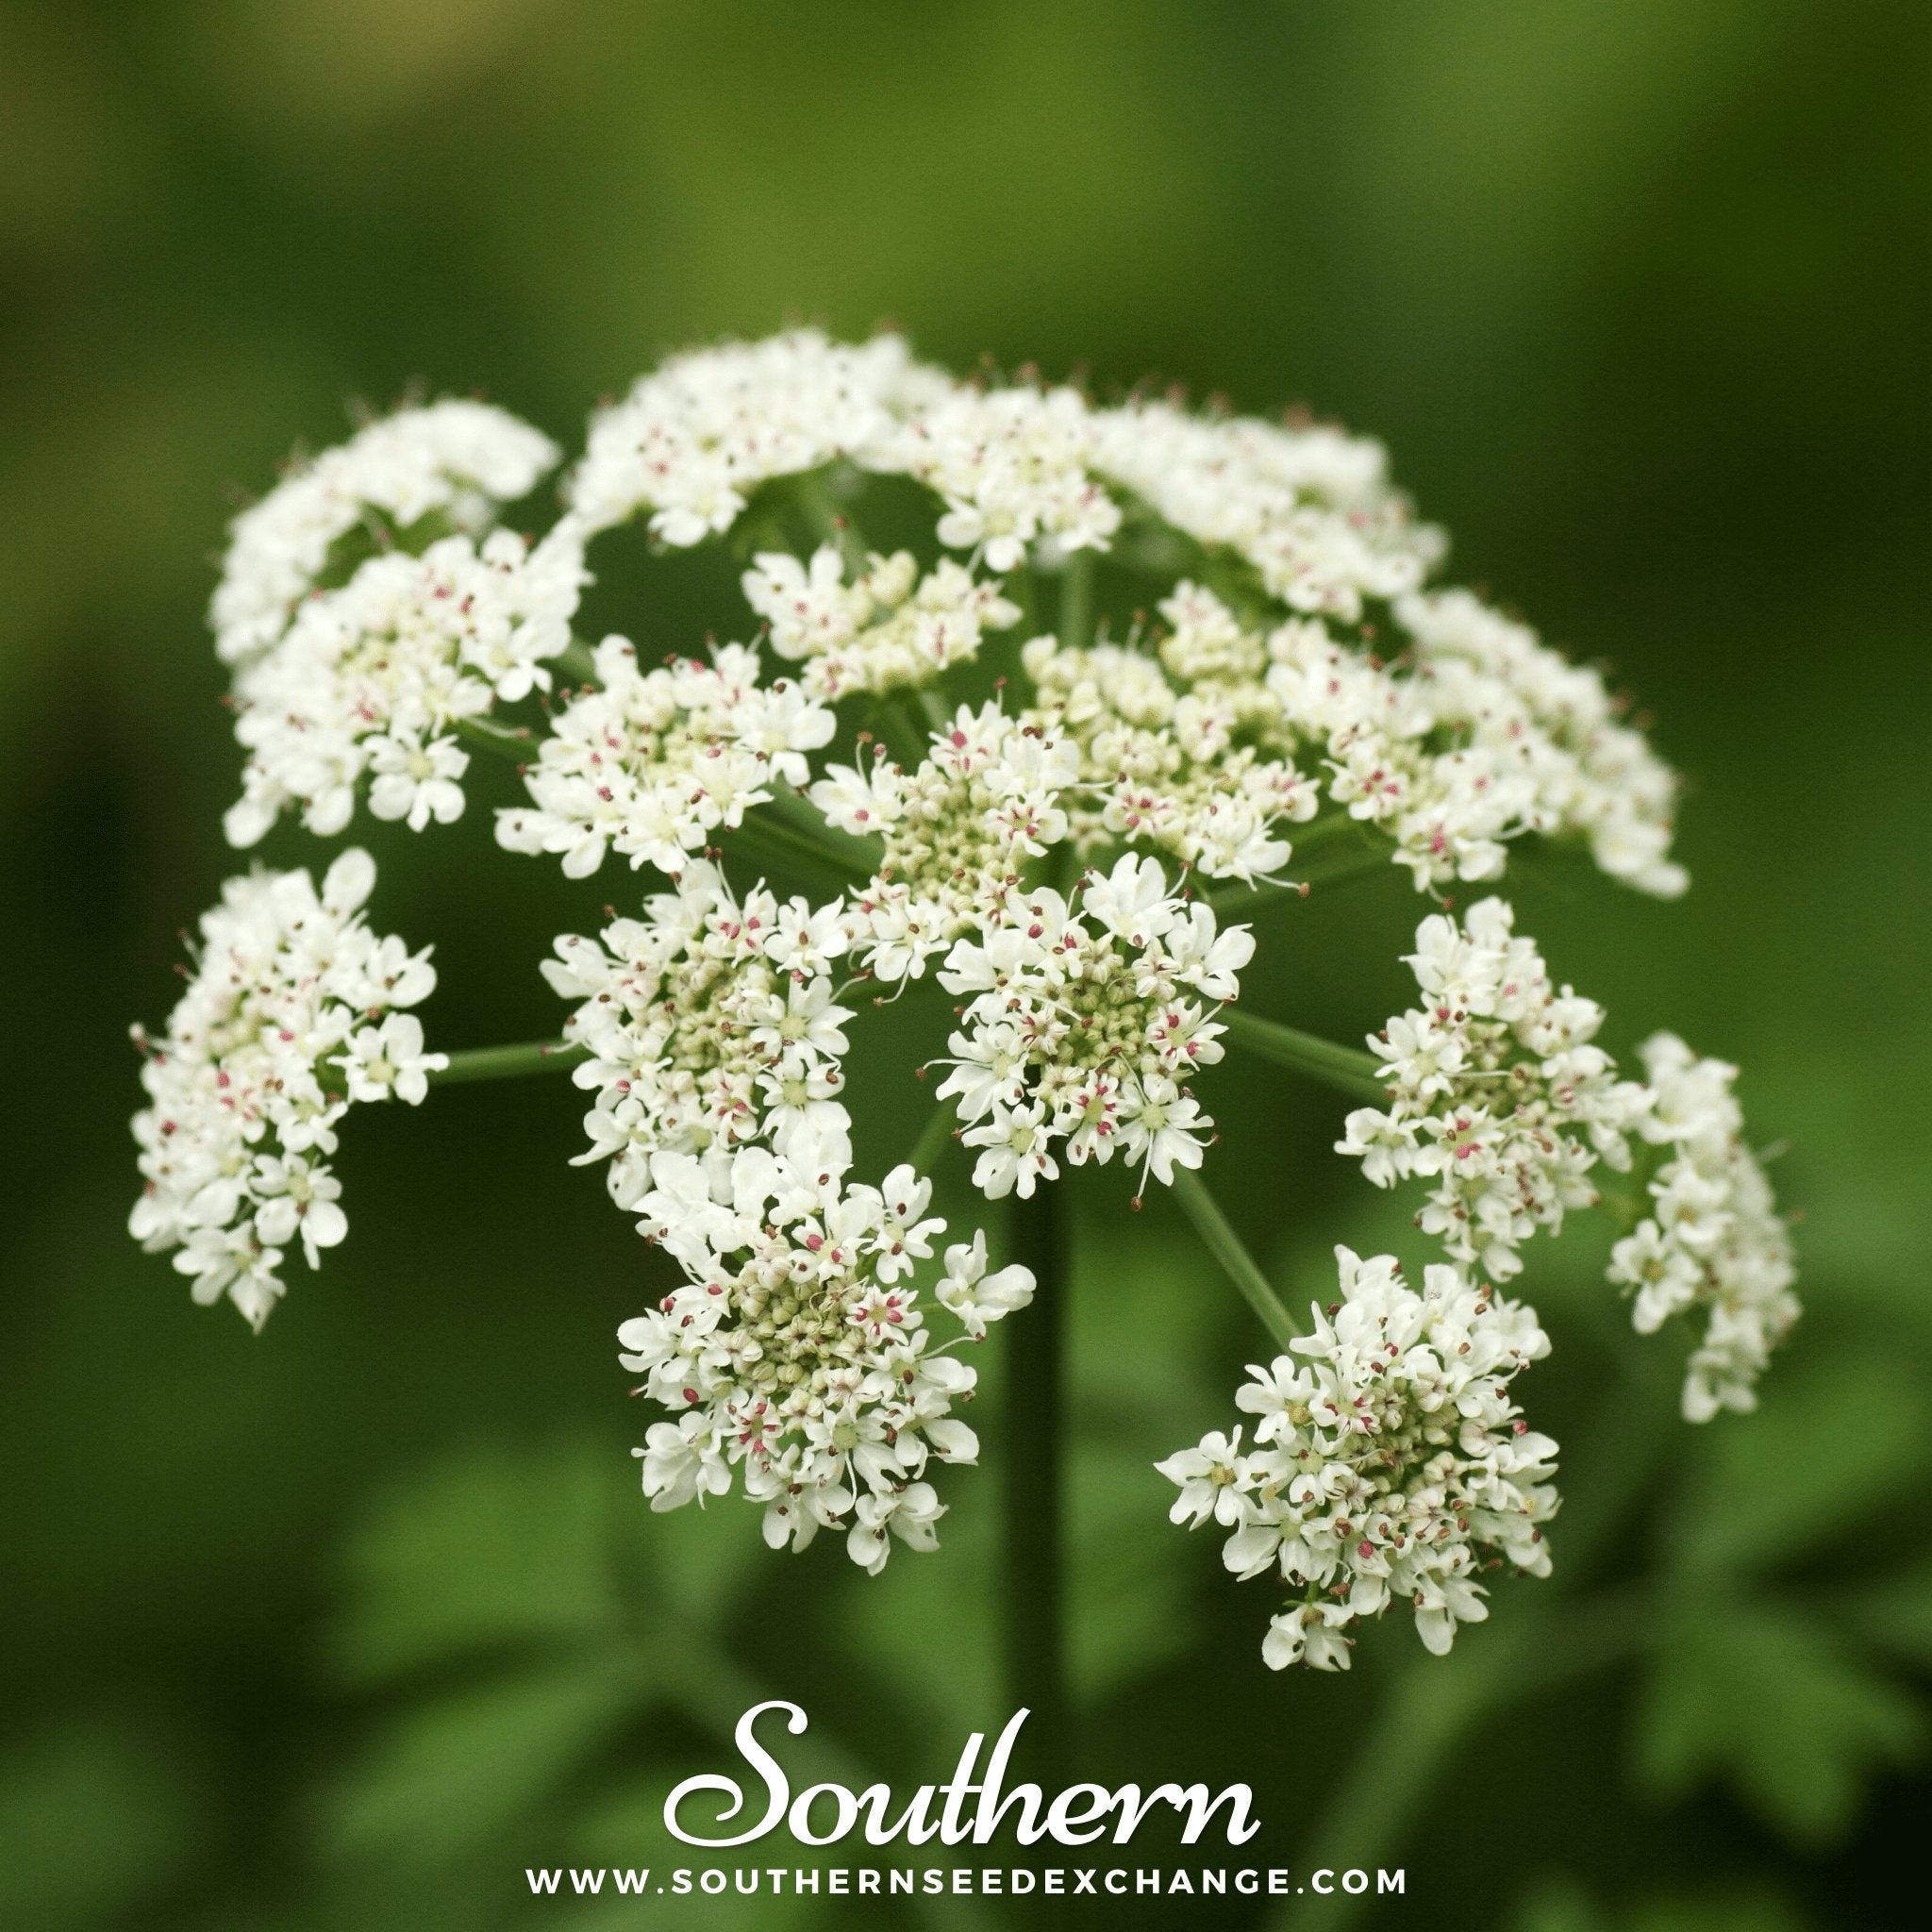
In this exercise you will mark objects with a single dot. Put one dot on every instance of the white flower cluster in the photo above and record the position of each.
(1309, 508)
(1020, 469)
(711, 1024)
(889, 630)
(291, 1015)
(1455, 752)
(1084, 1024)
(1497, 1092)
(651, 762)
(1390, 1463)
(1165, 766)
(1534, 716)
(797, 1351)
(457, 459)
(694, 439)
(373, 679)
(1714, 1240)
(1012, 467)
(959, 831)
(797, 1348)
(1473, 736)
(1298, 680)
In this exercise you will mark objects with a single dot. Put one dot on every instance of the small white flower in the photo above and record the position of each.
(389, 1059)
(975, 1297)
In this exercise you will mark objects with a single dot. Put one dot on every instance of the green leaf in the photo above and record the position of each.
(1775, 1705)
(490, 1549)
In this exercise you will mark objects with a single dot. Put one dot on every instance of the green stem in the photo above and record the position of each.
(1346, 1068)
(785, 843)
(1034, 1607)
(1212, 1225)
(576, 663)
(934, 1139)
(1076, 600)
(831, 525)
(517, 746)
(510, 1062)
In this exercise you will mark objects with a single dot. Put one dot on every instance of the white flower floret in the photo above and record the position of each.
(1497, 1092)
(709, 1027)
(1389, 1464)
(1082, 1039)
(650, 764)
(262, 1056)
(456, 457)
(1175, 764)
(796, 1353)
(976, 1297)
(890, 631)
(373, 679)
(1715, 1242)
(957, 831)
(1011, 464)
(693, 440)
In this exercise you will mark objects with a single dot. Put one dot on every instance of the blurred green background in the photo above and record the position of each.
(344, 1625)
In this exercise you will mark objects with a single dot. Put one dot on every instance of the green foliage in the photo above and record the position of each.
(1759, 1678)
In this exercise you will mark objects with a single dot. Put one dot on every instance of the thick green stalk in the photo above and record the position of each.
(1222, 1242)
(1349, 1069)
(1034, 1611)
(510, 1062)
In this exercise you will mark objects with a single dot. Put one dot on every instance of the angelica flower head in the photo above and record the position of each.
(1390, 1466)
(1119, 671)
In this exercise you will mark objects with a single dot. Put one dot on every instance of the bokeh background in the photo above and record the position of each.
(344, 1625)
